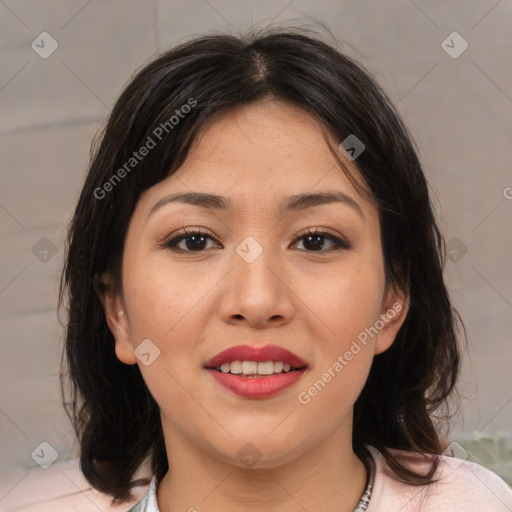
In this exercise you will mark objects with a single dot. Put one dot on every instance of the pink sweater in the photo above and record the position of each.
(463, 486)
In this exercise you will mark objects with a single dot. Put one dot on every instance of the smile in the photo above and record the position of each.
(255, 368)
(256, 385)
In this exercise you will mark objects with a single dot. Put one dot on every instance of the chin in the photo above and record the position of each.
(261, 452)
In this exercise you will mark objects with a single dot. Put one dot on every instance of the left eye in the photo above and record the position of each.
(195, 241)
(313, 239)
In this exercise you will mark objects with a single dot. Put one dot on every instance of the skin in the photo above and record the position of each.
(192, 305)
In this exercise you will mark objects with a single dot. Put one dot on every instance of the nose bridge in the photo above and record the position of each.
(251, 266)
(255, 291)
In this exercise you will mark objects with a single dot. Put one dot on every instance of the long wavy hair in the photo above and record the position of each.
(408, 394)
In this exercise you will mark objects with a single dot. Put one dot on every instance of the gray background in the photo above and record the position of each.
(458, 110)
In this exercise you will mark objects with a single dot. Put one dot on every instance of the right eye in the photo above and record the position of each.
(195, 241)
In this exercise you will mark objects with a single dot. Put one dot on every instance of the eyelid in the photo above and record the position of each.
(171, 241)
(338, 240)
(185, 230)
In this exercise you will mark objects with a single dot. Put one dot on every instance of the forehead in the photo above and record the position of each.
(259, 153)
(268, 135)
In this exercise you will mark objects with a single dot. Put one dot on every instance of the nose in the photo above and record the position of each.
(256, 291)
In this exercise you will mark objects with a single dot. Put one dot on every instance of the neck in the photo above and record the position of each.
(328, 477)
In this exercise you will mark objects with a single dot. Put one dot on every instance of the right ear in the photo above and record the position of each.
(115, 316)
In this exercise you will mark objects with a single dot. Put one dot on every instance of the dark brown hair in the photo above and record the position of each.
(116, 419)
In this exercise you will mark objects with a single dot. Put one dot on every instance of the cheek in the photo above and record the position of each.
(344, 352)
(347, 303)
(159, 298)
(165, 307)
(168, 306)
(358, 305)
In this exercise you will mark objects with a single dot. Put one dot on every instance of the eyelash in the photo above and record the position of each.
(189, 232)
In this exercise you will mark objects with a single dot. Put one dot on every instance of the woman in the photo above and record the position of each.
(255, 293)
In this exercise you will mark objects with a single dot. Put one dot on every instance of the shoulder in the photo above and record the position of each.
(461, 486)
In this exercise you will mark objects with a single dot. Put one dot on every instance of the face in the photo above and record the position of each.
(253, 276)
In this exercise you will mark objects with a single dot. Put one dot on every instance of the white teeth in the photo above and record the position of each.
(266, 368)
(236, 367)
(255, 368)
(224, 367)
(249, 367)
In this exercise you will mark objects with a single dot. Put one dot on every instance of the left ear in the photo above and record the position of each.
(394, 310)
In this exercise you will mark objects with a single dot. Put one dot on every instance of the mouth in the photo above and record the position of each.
(253, 360)
(255, 369)
(256, 372)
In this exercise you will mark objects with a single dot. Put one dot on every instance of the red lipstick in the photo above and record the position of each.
(256, 386)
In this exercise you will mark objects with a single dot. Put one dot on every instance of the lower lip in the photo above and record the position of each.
(256, 387)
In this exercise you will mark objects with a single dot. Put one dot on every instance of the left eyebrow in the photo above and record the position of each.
(303, 201)
(291, 203)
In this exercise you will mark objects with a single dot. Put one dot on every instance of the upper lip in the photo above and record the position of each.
(255, 353)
